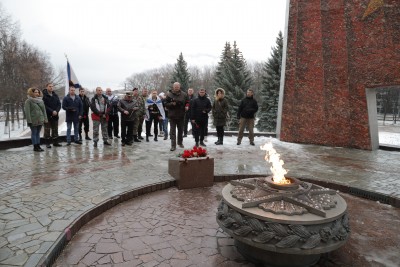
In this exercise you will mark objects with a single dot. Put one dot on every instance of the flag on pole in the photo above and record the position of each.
(71, 78)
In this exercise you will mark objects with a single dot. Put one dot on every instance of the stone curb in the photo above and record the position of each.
(62, 241)
(75, 226)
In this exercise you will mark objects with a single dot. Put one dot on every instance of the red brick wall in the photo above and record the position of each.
(333, 55)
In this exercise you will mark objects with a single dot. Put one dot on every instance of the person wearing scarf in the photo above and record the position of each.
(154, 113)
(36, 117)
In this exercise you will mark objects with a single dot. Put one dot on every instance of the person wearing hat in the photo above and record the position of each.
(128, 108)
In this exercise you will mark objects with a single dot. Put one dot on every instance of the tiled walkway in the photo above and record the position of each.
(42, 194)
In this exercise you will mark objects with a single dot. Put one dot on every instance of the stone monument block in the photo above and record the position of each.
(192, 172)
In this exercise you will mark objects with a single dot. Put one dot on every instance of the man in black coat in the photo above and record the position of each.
(53, 106)
(246, 116)
(200, 108)
(85, 116)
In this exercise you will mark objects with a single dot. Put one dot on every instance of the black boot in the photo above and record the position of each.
(56, 143)
(87, 137)
(37, 148)
(80, 137)
(48, 143)
(140, 137)
(155, 138)
(135, 139)
(221, 141)
(147, 138)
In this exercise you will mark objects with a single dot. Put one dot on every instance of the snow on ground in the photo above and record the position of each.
(389, 133)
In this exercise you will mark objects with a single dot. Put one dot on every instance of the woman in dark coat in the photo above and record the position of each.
(35, 113)
(220, 113)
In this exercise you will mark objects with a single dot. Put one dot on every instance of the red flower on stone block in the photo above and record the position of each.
(196, 152)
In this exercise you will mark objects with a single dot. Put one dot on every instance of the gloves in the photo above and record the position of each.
(30, 124)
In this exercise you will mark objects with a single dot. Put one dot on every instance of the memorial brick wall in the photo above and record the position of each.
(336, 49)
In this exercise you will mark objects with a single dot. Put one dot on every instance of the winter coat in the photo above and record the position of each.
(220, 109)
(141, 100)
(52, 103)
(73, 108)
(164, 102)
(85, 105)
(201, 106)
(95, 107)
(113, 100)
(132, 106)
(248, 108)
(188, 112)
(35, 110)
(181, 99)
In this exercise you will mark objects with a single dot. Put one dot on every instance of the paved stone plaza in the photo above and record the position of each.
(43, 194)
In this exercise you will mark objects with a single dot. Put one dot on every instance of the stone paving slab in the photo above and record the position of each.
(41, 194)
(178, 228)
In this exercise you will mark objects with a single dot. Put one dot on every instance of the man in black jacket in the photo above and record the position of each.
(247, 109)
(53, 106)
(200, 108)
(85, 117)
(177, 103)
(113, 117)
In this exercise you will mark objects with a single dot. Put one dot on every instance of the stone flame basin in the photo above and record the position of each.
(283, 225)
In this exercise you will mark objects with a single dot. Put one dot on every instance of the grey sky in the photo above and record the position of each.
(108, 40)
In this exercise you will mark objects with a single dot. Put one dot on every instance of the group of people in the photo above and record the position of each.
(108, 112)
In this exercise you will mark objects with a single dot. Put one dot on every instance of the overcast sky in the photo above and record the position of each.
(108, 40)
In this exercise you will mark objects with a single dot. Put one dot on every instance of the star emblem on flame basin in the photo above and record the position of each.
(308, 198)
(373, 6)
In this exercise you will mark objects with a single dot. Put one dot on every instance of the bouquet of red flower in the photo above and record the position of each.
(196, 152)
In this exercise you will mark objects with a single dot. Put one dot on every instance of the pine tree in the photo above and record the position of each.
(270, 88)
(233, 76)
(181, 73)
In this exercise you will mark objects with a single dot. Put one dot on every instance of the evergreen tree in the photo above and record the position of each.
(181, 73)
(270, 88)
(233, 76)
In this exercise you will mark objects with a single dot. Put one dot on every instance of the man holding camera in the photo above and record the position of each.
(100, 108)
(177, 103)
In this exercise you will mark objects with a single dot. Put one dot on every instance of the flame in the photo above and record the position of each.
(277, 169)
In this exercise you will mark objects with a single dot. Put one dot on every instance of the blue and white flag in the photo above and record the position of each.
(71, 78)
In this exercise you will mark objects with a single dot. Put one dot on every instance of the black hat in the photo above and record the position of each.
(134, 89)
(128, 93)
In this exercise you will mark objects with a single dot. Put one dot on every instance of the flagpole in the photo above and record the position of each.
(67, 81)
